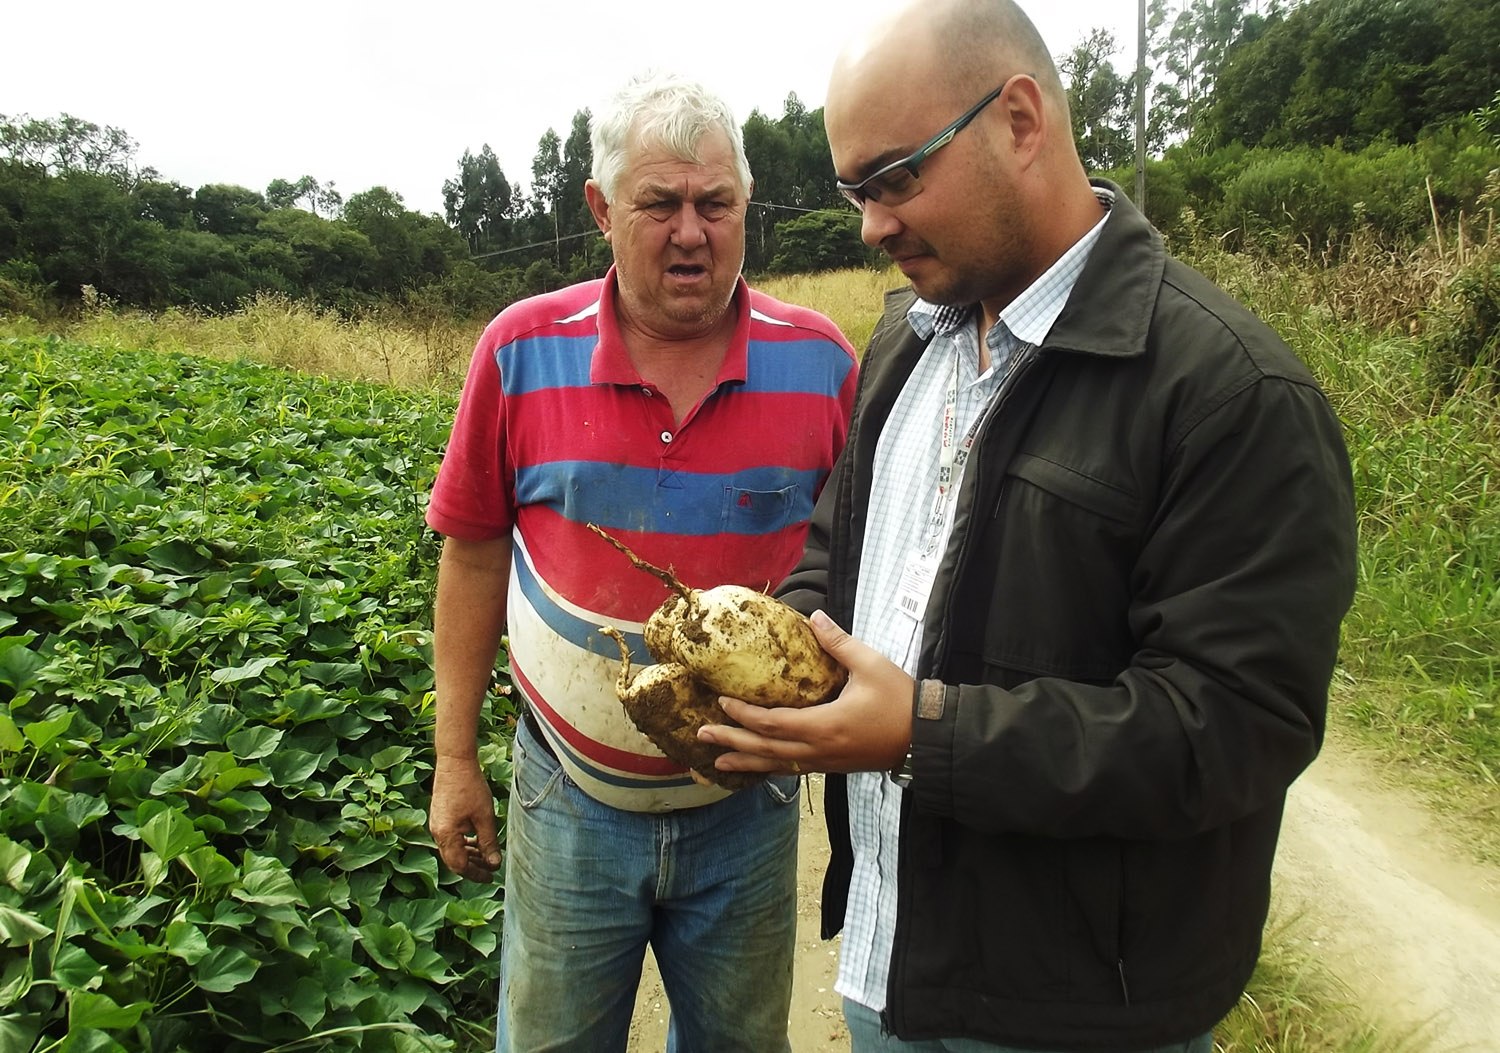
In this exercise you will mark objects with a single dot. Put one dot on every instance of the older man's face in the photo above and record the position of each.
(677, 229)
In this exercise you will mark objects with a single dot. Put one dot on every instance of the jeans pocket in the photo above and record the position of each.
(536, 771)
(782, 789)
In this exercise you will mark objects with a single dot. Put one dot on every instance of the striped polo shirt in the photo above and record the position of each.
(556, 430)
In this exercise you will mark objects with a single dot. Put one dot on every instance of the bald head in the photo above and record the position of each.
(949, 126)
(961, 48)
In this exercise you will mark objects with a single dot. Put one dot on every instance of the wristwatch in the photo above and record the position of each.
(927, 704)
(901, 773)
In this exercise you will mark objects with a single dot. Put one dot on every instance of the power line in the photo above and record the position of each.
(845, 213)
(537, 244)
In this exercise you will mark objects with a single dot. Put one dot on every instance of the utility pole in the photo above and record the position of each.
(1140, 106)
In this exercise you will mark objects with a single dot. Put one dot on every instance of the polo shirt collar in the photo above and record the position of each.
(611, 363)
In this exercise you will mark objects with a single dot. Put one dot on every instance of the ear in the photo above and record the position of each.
(594, 195)
(1027, 114)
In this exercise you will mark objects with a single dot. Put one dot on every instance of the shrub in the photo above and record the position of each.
(1462, 341)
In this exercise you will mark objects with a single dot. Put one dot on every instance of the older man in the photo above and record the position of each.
(696, 420)
(1093, 538)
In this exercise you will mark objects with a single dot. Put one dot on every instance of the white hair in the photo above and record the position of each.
(661, 110)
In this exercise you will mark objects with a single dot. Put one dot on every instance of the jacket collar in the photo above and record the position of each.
(1109, 312)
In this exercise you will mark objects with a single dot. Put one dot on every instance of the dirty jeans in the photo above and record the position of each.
(713, 890)
(867, 1035)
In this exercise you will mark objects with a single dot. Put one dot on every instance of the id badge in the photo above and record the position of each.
(915, 586)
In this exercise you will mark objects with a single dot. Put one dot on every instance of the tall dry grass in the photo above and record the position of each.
(851, 298)
(384, 346)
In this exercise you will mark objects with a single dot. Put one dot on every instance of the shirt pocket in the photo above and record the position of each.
(749, 511)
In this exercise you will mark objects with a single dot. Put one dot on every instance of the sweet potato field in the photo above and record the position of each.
(215, 695)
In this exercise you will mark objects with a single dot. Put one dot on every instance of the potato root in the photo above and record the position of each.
(669, 706)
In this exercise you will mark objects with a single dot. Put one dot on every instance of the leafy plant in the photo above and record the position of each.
(215, 690)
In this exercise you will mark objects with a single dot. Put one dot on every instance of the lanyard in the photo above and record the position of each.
(951, 460)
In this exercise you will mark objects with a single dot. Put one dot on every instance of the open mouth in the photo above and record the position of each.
(687, 270)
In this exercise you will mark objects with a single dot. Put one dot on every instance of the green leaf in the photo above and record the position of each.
(41, 732)
(224, 969)
(390, 946)
(306, 1001)
(19, 666)
(178, 557)
(334, 673)
(170, 833)
(19, 1032)
(354, 854)
(214, 724)
(83, 809)
(209, 867)
(20, 929)
(250, 669)
(11, 739)
(390, 756)
(186, 941)
(88, 1010)
(16, 980)
(265, 880)
(74, 969)
(90, 1040)
(291, 767)
(14, 859)
(255, 742)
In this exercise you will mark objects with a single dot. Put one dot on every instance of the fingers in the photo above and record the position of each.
(762, 742)
(828, 632)
(475, 856)
(462, 821)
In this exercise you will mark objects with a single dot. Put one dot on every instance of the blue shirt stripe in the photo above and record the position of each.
(757, 500)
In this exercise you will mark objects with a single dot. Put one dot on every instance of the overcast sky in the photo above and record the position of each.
(391, 94)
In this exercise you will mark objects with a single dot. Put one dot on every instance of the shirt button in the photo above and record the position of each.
(666, 436)
(647, 392)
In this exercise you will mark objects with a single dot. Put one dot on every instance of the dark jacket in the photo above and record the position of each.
(1136, 623)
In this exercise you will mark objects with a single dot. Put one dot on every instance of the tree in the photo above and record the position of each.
(546, 181)
(321, 199)
(70, 144)
(1189, 47)
(410, 248)
(222, 208)
(577, 164)
(819, 241)
(333, 259)
(480, 201)
(1099, 102)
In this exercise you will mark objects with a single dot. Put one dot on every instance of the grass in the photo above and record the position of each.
(1294, 1006)
(852, 298)
(383, 347)
(1420, 665)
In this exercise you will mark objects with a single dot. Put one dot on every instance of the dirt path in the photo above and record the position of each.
(1394, 908)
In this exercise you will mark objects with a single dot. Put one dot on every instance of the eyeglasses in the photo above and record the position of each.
(899, 181)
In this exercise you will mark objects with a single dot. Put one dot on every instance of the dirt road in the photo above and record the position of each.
(1392, 904)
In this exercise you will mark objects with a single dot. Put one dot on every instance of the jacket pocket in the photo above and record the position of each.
(1058, 555)
(1076, 488)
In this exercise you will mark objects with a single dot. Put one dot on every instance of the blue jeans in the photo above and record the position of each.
(867, 1036)
(713, 890)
